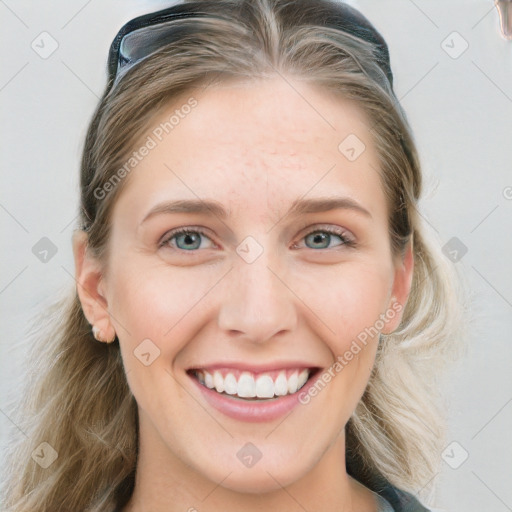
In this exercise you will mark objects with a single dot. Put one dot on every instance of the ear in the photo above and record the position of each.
(90, 287)
(401, 288)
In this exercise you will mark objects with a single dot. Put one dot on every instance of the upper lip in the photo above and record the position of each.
(237, 365)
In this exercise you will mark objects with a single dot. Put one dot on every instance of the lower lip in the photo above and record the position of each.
(253, 410)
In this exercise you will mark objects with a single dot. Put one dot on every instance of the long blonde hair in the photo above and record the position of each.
(77, 398)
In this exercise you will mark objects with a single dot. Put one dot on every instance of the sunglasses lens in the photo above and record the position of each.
(142, 42)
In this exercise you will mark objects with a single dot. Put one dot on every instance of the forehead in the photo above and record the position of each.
(256, 144)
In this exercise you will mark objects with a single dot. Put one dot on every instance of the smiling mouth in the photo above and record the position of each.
(246, 385)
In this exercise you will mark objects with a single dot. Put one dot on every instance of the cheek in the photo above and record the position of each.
(156, 311)
(349, 301)
(158, 302)
(351, 307)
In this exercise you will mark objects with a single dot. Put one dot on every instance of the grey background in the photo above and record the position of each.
(460, 110)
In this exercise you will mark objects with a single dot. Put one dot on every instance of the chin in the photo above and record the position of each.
(258, 479)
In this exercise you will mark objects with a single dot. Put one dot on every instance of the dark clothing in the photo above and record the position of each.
(400, 501)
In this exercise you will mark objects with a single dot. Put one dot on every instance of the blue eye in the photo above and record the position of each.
(189, 239)
(320, 237)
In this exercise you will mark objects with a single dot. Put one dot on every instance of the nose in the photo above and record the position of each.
(257, 302)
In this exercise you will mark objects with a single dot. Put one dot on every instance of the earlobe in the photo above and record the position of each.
(401, 289)
(90, 288)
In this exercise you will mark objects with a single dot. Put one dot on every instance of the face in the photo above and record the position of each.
(268, 284)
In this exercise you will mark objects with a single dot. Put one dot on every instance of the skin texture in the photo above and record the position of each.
(255, 147)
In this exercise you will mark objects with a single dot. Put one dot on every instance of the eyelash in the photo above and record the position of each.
(341, 233)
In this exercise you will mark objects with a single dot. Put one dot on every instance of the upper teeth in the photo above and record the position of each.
(249, 386)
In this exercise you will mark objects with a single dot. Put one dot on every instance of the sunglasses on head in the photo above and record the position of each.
(145, 35)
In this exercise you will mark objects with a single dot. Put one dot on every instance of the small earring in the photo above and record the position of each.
(96, 334)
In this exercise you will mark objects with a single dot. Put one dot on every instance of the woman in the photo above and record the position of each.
(259, 313)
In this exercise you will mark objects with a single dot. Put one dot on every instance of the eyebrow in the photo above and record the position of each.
(298, 207)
